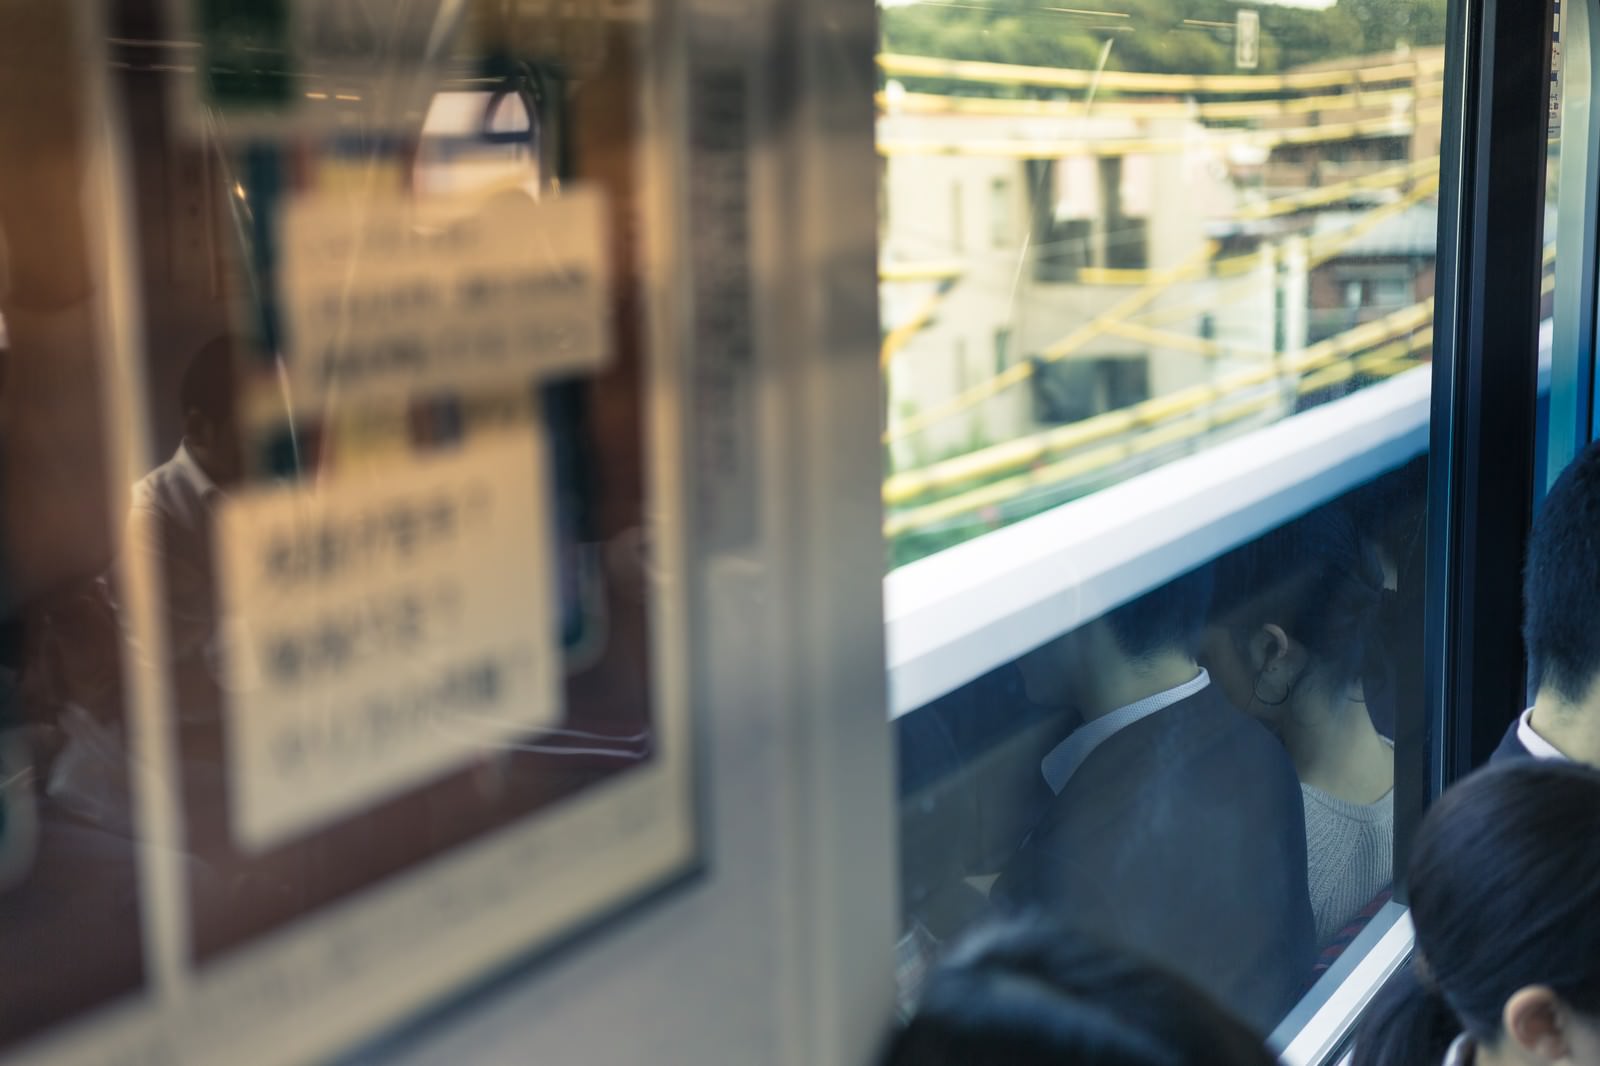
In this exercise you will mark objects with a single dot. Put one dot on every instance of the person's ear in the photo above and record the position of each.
(1535, 1020)
(1269, 648)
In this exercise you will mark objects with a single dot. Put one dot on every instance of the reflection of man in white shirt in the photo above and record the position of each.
(173, 508)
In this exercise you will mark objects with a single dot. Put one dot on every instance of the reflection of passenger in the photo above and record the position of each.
(1037, 996)
(173, 510)
(1563, 641)
(1176, 826)
(1298, 630)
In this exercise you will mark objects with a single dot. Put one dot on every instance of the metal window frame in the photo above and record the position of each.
(1480, 492)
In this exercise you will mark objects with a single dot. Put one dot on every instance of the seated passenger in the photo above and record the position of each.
(1560, 592)
(1026, 995)
(1504, 875)
(1296, 623)
(1175, 828)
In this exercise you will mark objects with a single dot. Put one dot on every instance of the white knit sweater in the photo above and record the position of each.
(1349, 856)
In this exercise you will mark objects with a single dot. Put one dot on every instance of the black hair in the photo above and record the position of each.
(1561, 584)
(1504, 874)
(1170, 617)
(208, 382)
(1030, 994)
(1321, 580)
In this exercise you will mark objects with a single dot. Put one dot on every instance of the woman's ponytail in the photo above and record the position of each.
(1408, 1024)
(1502, 881)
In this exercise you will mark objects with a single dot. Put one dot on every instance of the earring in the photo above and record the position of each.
(1283, 697)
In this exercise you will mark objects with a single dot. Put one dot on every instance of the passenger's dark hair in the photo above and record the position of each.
(1170, 617)
(1323, 582)
(1026, 994)
(1504, 874)
(208, 381)
(1560, 582)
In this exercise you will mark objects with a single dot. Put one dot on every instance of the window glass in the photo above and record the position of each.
(1564, 393)
(1176, 535)
(1260, 237)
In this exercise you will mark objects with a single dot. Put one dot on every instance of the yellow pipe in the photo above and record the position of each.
(905, 66)
(1327, 246)
(1232, 110)
(1384, 362)
(1324, 249)
(1182, 342)
(933, 271)
(1065, 469)
(1385, 126)
(902, 334)
(1020, 372)
(901, 487)
(1328, 194)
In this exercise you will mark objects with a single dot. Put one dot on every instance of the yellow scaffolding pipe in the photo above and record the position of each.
(929, 271)
(1320, 251)
(1182, 342)
(1382, 361)
(1332, 194)
(904, 66)
(1217, 111)
(1024, 451)
(1155, 284)
(901, 334)
(1384, 126)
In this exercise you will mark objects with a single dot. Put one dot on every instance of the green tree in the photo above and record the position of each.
(1157, 36)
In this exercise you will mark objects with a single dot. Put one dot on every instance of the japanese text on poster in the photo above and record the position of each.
(382, 303)
(383, 630)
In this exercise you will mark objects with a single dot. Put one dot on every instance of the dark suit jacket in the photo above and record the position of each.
(1511, 746)
(1182, 838)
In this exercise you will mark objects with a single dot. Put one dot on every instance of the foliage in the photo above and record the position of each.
(1158, 36)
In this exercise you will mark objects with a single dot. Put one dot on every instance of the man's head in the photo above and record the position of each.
(1162, 624)
(207, 399)
(1561, 585)
(1029, 993)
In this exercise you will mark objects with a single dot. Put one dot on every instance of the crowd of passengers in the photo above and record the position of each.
(1213, 810)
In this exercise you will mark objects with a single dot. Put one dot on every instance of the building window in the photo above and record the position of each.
(1001, 225)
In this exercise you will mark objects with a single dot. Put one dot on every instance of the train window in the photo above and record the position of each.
(1155, 582)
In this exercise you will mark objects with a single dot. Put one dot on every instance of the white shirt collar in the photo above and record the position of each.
(1064, 759)
(188, 468)
(1537, 746)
